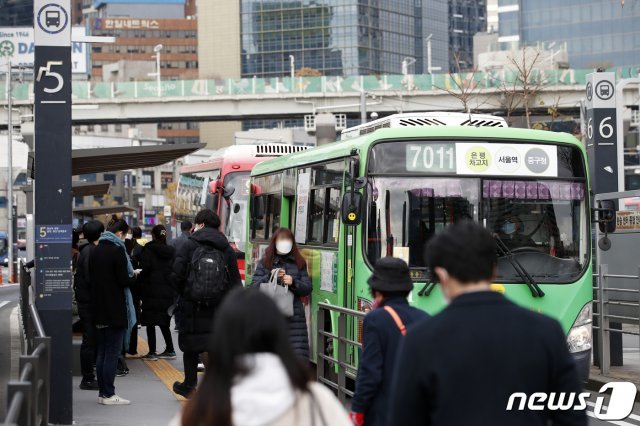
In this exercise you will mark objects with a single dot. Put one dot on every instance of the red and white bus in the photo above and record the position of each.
(222, 184)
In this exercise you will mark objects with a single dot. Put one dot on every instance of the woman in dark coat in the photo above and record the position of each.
(158, 294)
(284, 254)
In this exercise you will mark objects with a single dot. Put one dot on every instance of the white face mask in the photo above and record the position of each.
(284, 246)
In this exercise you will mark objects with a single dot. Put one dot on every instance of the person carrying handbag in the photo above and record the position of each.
(283, 257)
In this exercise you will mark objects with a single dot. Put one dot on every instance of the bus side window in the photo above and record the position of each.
(265, 216)
(324, 213)
(258, 213)
(332, 215)
(274, 203)
(316, 215)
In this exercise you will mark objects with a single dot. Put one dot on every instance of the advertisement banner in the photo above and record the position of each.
(18, 44)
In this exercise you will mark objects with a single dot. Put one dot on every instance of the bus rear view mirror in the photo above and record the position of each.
(228, 192)
(351, 208)
(607, 216)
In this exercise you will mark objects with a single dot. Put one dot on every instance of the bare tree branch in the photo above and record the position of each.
(465, 89)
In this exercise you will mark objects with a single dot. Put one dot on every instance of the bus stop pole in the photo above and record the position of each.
(52, 189)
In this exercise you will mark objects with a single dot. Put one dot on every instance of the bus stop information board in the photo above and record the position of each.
(52, 192)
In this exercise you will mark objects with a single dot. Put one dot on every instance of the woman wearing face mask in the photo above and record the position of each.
(283, 254)
(111, 274)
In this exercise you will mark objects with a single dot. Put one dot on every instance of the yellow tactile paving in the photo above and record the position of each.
(166, 372)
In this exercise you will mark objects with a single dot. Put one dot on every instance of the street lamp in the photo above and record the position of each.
(405, 65)
(10, 217)
(430, 68)
(292, 65)
(157, 49)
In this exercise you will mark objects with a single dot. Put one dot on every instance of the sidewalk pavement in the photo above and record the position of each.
(628, 372)
(147, 386)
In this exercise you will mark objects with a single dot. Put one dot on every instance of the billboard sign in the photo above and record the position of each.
(18, 44)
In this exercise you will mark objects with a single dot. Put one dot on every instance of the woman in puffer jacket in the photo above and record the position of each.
(253, 378)
(283, 254)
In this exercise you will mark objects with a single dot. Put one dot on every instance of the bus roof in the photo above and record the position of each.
(343, 148)
(241, 157)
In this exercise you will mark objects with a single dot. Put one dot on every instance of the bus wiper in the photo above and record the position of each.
(432, 280)
(536, 291)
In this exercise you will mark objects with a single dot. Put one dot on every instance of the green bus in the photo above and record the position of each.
(391, 184)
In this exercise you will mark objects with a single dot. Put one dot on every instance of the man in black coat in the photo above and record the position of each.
(194, 319)
(461, 366)
(82, 288)
(382, 330)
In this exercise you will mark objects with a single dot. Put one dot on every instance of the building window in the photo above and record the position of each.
(165, 179)
(147, 179)
(110, 177)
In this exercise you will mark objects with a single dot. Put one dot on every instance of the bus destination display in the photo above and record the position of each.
(469, 158)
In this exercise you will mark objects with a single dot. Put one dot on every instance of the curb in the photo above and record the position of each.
(596, 382)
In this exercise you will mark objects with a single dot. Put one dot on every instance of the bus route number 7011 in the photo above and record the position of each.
(433, 158)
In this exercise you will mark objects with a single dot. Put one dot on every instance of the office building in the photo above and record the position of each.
(492, 16)
(466, 18)
(16, 13)
(136, 39)
(149, 9)
(139, 32)
(340, 37)
(246, 38)
(596, 33)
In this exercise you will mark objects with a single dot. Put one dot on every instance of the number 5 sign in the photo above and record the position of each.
(46, 71)
(601, 134)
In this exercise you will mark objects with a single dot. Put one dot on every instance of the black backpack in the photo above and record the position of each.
(208, 277)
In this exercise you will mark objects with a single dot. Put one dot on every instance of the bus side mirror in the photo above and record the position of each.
(228, 192)
(351, 208)
(607, 216)
(606, 222)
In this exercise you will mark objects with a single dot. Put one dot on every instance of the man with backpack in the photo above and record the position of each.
(382, 330)
(205, 269)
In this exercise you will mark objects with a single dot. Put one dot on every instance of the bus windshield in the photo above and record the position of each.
(234, 209)
(193, 193)
(530, 195)
(543, 223)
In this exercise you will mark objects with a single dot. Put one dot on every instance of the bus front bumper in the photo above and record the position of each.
(583, 364)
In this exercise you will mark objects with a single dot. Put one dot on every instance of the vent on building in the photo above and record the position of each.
(422, 119)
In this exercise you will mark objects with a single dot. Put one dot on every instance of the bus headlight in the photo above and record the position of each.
(580, 336)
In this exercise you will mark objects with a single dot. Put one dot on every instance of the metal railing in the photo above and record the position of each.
(28, 397)
(328, 365)
(605, 303)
